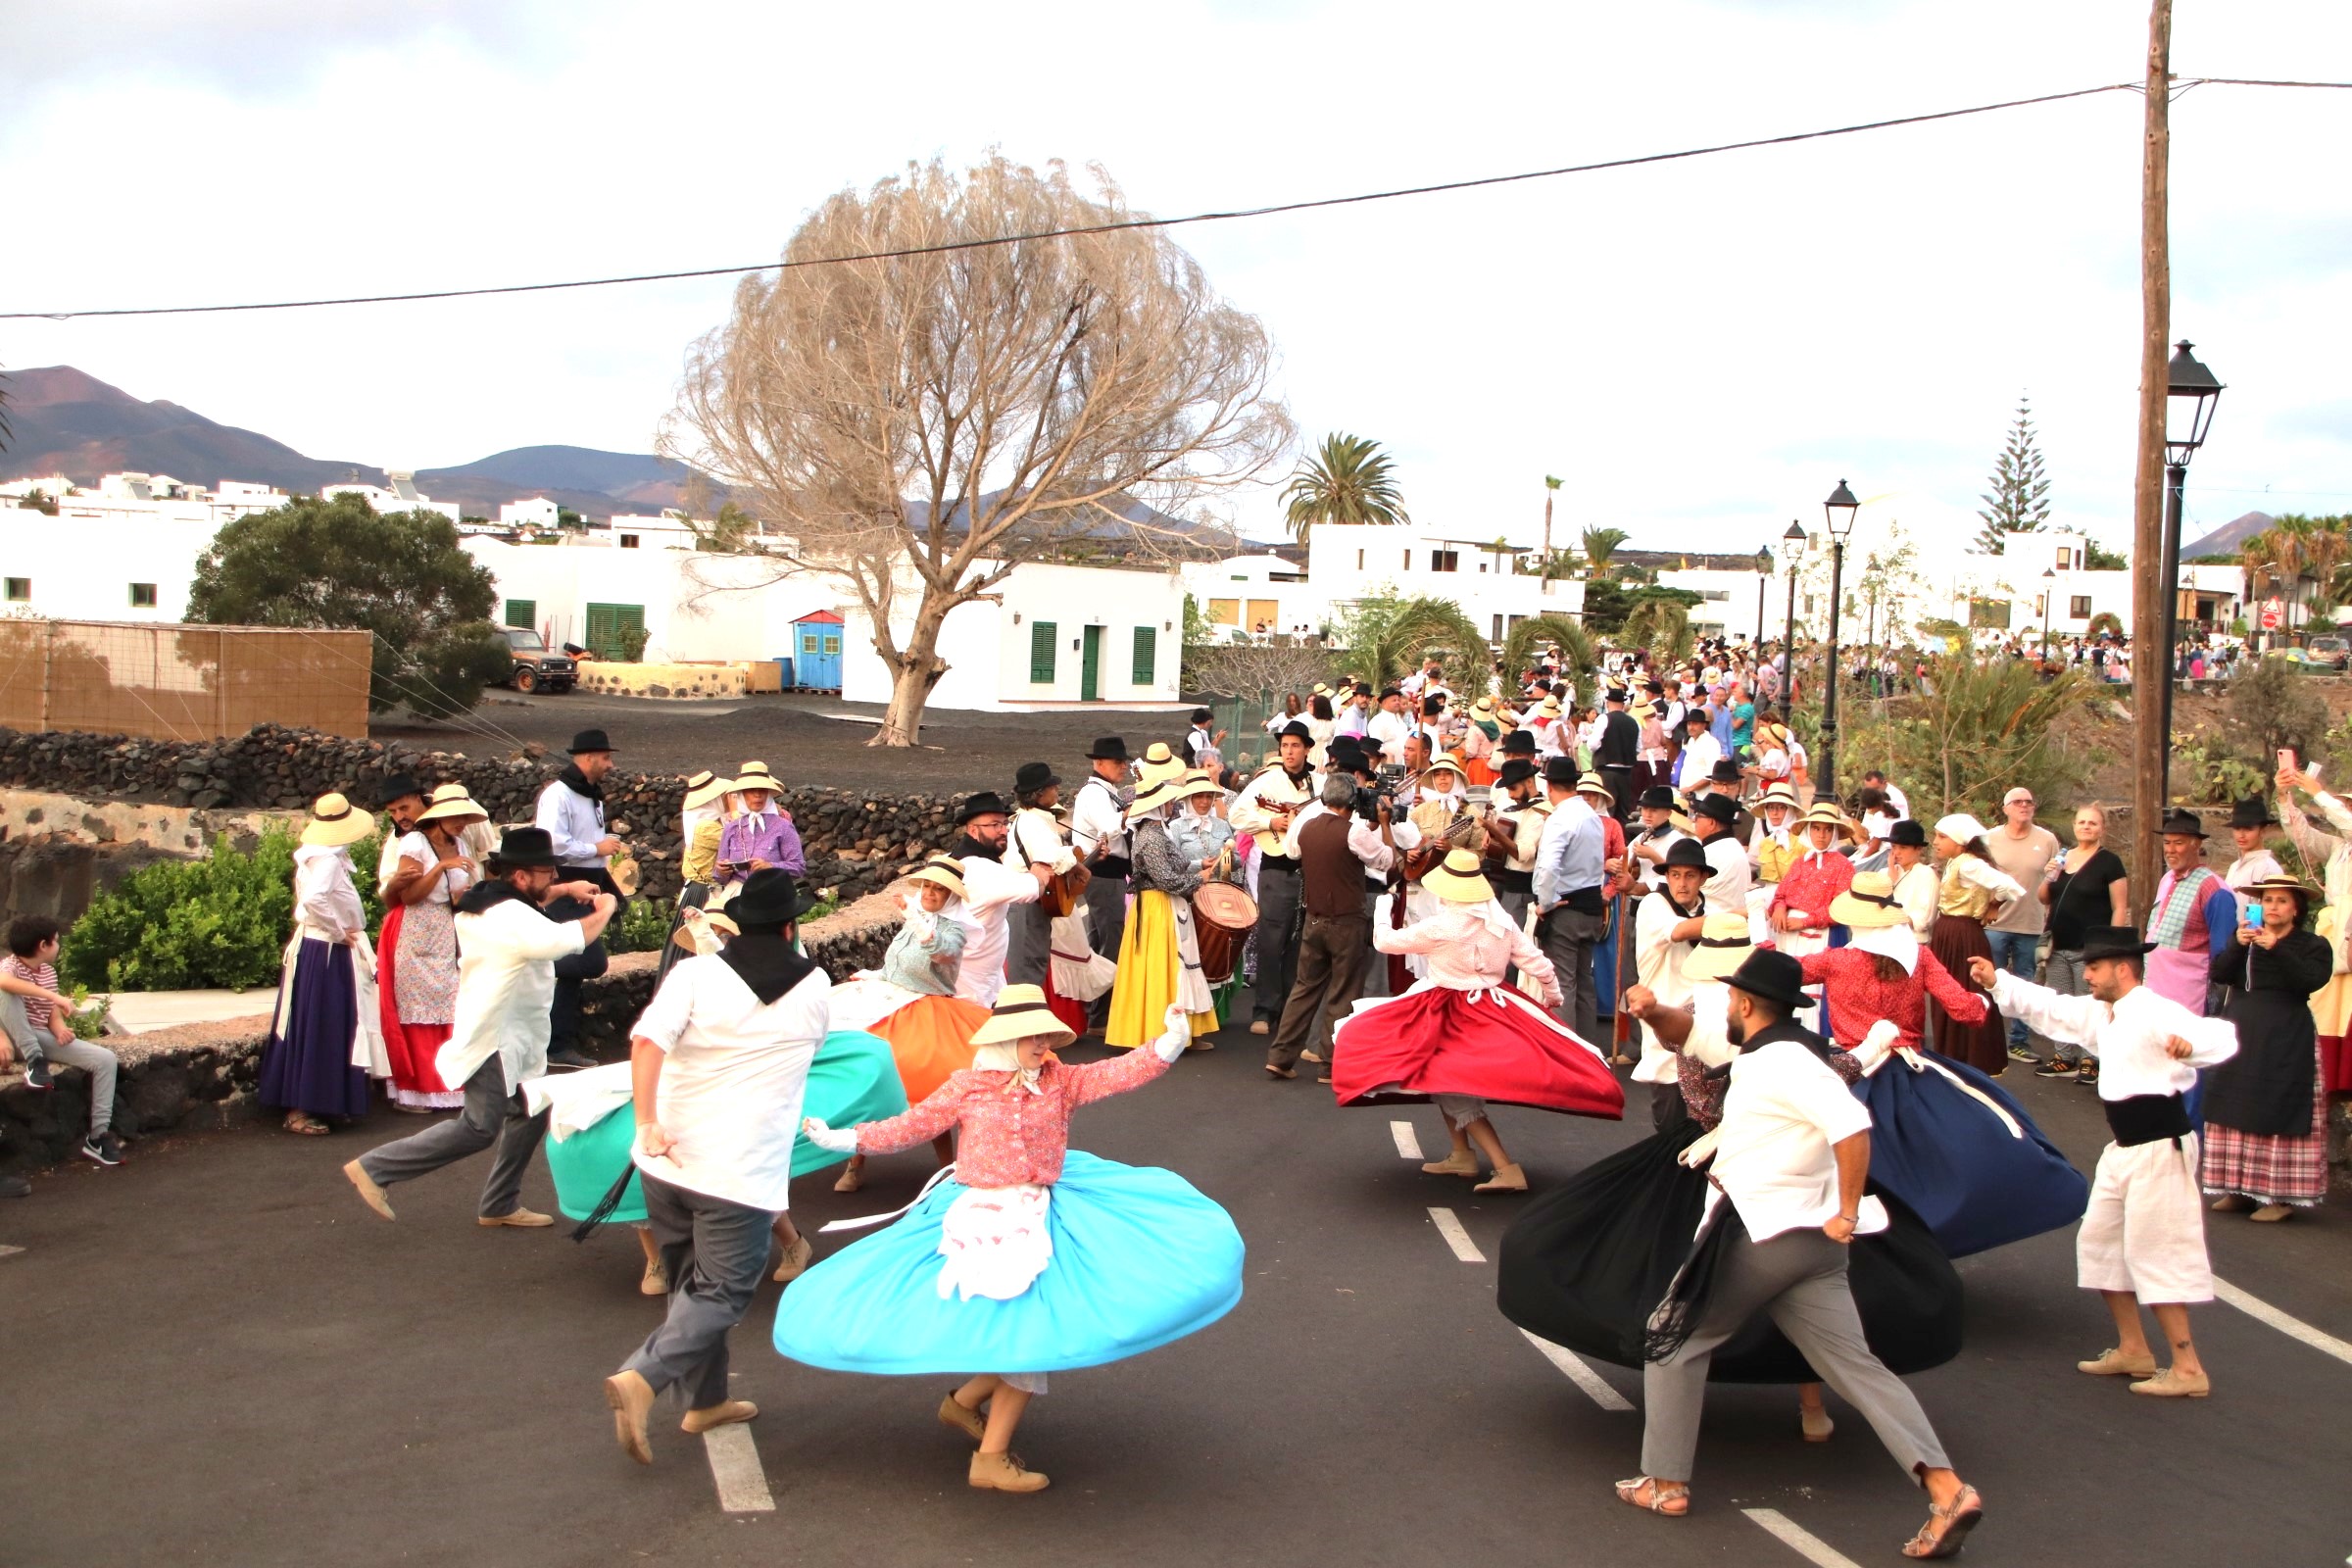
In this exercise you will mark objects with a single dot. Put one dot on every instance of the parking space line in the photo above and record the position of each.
(2294, 1328)
(735, 1467)
(1409, 1147)
(1576, 1372)
(1797, 1539)
(1455, 1237)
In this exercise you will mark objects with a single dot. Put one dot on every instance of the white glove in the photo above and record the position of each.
(1877, 1044)
(1701, 1151)
(835, 1140)
(1178, 1034)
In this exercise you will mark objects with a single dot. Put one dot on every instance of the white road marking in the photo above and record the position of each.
(2294, 1328)
(1409, 1147)
(1576, 1372)
(735, 1466)
(1455, 1237)
(1797, 1539)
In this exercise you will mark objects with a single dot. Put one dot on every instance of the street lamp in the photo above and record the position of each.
(1840, 508)
(1763, 574)
(2049, 588)
(1793, 546)
(2191, 396)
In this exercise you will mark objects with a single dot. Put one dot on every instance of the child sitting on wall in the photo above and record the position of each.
(37, 1021)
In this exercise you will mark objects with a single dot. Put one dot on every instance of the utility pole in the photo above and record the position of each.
(2151, 664)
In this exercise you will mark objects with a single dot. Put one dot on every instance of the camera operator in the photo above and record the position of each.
(1350, 832)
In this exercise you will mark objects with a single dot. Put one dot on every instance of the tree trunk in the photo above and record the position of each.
(915, 671)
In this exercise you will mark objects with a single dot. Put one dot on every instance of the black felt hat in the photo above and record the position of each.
(1908, 831)
(1030, 777)
(1717, 809)
(1774, 977)
(1109, 749)
(1657, 798)
(1560, 770)
(2252, 811)
(396, 787)
(2184, 823)
(988, 803)
(1295, 730)
(1519, 742)
(522, 849)
(1687, 852)
(1725, 771)
(768, 897)
(2114, 942)
(1516, 771)
(591, 740)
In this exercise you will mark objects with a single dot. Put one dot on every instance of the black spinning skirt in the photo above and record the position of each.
(1585, 1263)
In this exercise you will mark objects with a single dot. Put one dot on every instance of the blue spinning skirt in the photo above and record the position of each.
(852, 1079)
(1139, 1260)
(1977, 1186)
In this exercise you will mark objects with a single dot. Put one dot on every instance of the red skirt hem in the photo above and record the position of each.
(1498, 1045)
(410, 1048)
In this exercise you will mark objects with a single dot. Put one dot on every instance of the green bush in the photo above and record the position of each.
(643, 927)
(2271, 706)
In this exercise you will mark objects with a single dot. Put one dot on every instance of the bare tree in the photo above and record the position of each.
(919, 426)
(1281, 665)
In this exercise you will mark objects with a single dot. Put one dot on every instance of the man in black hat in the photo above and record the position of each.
(2249, 820)
(572, 813)
(1666, 922)
(500, 1030)
(1792, 1157)
(1711, 821)
(1696, 761)
(2193, 922)
(1647, 846)
(1514, 832)
(401, 801)
(1099, 837)
(994, 892)
(1520, 741)
(1726, 779)
(1032, 840)
(1569, 873)
(1619, 749)
(1265, 808)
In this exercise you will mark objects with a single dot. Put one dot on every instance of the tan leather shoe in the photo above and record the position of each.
(2114, 1363)
(1314, 1056)
(370, 1194)
(521, 1219)
(1506, 1179)
(796, 1259)
(1815, 1423)
(723, 1414)
(1461, 1162)
(1273, 1071)
(2273, 1214)
(632, 1401)
(1257, 1026)
(1004, 1472)
(2174, 1384)
(655, 1281)
(849, 1180)
(2231, 1204)
(971, 1423)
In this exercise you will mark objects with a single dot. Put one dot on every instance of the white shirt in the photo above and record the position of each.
(733, 1072)
(1035, 840)
(1252, 811)
(1658, 964)
(573, 821)
(1784, 1108)
(2127, 1038)
(1095, 818)
(1915, 890)
(989, 887)
(1389, 731)
(1726, 890)
(506, 983)
(448, 887)
(326, 903)
(1896, 799)
(1363, 838)
(1698, 759)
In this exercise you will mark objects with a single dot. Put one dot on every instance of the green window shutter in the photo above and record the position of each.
(1042, 635)
(1146, 654)
(523, 613)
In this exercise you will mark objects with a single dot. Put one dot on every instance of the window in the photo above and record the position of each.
(833, 643)
(1497, 634)
(2066, 556)
(628, 541)
(142, 596)
(2078, 607)
(1359, 560)
(1445, 561)
(1042, 634)
(1989, 613)
(522, 613)
(613, 630)
(1224, 612)
(1146, 654)
(20, 590)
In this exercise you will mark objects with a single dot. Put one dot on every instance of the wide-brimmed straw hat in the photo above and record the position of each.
(1722, 945)
(335, 822)
(1869, 904)
(1165, 790)
(707, 788)
(1548, 708)
(1459, 880)
(1825, 813)
(1778, 795)
(451, 801)
(715, 919)
(1020, 1012)
(1444, 762)
(755, 776)
(945, 870)
(2305, 894)
(1200, 781)
(1158, 764)
(1590, 783)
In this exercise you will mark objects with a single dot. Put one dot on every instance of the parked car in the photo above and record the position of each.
(536, 669)
(2334, 652)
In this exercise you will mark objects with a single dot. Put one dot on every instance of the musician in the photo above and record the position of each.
(1336, 849)
(1099, 837)
(1033, 839)
(1265, 809)
(1619, 749)
(1513, 829)
(1647, 846)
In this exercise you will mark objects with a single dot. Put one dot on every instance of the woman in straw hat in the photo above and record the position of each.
(1971, 894)
(1462, 1037)
(1159, 956)
(1480, 736)
(702, 821)
(1053, 1259)
(315, 1063)
(2264, 1147)
(1798, 910)
(417, 976)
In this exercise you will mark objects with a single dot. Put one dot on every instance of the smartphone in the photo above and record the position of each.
(2252, 916)
(2287, 759)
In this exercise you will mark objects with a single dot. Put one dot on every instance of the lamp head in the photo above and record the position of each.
(2191, 396)
(1793, 545)
(1840, 509)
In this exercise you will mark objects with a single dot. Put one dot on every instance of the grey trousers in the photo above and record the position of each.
(1029, 943)
(715, 1252)
(1330, 964)
(2065, 977)
(96, 1060)
(491, 1115)
(1798, 1277)
(1106, 904)
(1275, 939)
(1567, 938)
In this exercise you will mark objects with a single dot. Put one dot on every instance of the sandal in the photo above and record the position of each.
(306, 1126)
(1661, 1500)
(1964, 1514)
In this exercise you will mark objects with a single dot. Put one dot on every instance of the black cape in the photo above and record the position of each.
(2266, 1088)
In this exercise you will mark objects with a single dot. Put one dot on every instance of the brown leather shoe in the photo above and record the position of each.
(632, 1401)
(723, 1414)
(971, 1423)
(370, 1194)
(521, 1218)
(1273, 1071)
(1003, 1472)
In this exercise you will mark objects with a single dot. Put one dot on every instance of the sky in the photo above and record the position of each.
(1701, 349)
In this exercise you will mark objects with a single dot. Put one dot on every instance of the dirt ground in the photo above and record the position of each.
(2107, 727)
(806, 739)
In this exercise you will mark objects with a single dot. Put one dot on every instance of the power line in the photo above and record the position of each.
(1120, 226)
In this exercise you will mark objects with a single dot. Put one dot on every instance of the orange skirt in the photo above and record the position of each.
(1478, 771)
(931, 1038)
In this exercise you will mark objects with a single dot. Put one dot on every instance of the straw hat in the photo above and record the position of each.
(945, 870)
(451, 801)
(1200, 781)
(1548, 708)
(755, 776)
(334, 822)
(1779, 795)
(1723, 944)
(1825, 813)
(1444, 762)
(1594, 784)
(1159, 765)
(715, 919)
(1459, 880)
(2305, 894)
(706, 789)
(1869, 904)
(1484, 707)
(1156, 793)
(1020, 1012)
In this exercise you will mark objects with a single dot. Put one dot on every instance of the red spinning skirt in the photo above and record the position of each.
(410, 1047)
(1496, 1044)
(931, 1039)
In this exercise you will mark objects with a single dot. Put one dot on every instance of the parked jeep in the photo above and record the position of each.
(2334, 652)
(536, 669)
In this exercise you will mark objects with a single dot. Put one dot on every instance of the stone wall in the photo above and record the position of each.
(855, 843)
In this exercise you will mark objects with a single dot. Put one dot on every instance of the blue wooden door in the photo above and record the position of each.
(816, 664)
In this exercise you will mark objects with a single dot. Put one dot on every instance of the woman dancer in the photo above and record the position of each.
(307, 1065)
(1800, 910)
(1159, 958)
(1971, 894)
(1462, 1036)
(710, 802)
(417, 984)
(1053, 1259)
(2266, 1109)
(1480, 737)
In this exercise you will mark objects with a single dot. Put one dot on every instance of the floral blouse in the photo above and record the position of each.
(1159, 866)
(1858, 998)
(1811, 881)
(1011, 1134)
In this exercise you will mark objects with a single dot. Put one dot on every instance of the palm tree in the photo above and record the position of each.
(1660, 625)
(1347, 481)
(1577, 653)
(1551, 488)
(1383, 637)
(1599, 545)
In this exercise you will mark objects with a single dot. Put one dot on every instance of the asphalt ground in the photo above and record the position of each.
(219, 1356)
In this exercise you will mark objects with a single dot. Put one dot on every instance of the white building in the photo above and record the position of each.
(101, 565)
(1347, 562)
(398, 493)
(1242, 594)
(536, 512)
(145, 498)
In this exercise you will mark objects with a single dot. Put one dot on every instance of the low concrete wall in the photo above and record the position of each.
(666, 681)
(201, 1075)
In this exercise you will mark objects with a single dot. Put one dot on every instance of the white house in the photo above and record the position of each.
(98, 565)
(1245, 594)
(693, 607)
(147, 498)
(1349, 562)
(536, 512)
(398, 493)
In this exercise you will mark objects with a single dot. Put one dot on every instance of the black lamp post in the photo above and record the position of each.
(1793, 546)
(2187, 415)
(1840, 508)
(1763, 574)
(2049, 589)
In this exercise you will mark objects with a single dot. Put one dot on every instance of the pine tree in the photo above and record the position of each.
(2018, 500)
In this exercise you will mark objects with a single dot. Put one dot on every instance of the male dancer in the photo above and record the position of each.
(1265, 809)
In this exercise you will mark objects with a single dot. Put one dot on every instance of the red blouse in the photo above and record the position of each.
(1858, 998)
(1811, 881)
(1008, 1135)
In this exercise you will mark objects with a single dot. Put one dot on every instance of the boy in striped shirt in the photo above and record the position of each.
(35, 1019)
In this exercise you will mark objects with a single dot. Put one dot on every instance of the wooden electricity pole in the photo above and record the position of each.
(2151, 663)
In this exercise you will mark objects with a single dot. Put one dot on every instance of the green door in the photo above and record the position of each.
(607, 625)
(1090, 666)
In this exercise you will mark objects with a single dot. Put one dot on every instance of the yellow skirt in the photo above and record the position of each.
(1151, 968)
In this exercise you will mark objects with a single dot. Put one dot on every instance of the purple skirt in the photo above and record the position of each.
(309, 1067)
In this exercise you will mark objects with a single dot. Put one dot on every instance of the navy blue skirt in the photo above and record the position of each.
(1976, 1184)
(309, 1067)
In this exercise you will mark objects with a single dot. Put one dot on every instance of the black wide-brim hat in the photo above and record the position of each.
(591, 740)
(2114, 942)
(769, 897)
(1908, 831)
(988, 803)
(1657, 798)
(2184, 823)
(522, 849)
(1774, 977)
(2252, 811)
(1685, 851)
(1516, 771)
(1030, 777)
(1725, 771)
(1519, 742)
(397, 787)
(1720, 808)
(1109, 749)
(1560, 770)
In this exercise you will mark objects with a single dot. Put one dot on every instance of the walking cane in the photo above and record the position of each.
(1622, 1025)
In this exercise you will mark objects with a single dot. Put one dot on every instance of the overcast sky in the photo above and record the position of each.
(1701, 349)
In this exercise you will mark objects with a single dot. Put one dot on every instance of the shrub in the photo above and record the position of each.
(1976, 731)
(2272, 706)
(643, 926)
(2208, 772)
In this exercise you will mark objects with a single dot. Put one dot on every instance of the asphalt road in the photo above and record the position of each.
(219, 1356)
